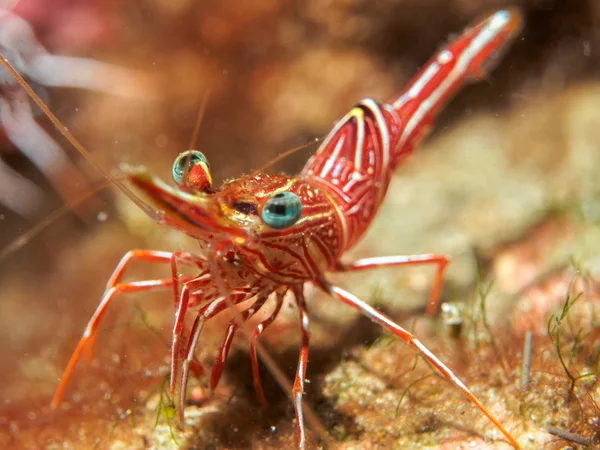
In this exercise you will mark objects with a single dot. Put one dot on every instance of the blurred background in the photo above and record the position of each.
(276, 75)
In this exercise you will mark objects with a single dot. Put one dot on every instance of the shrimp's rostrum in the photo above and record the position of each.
(264, 234)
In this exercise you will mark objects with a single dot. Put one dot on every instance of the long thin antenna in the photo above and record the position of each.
(27, 237)
(201, 112)
(285, 155)
(152, 213)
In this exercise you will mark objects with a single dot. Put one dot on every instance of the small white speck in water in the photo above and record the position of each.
(161, 140)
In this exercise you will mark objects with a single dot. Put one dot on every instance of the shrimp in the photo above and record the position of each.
(264, 234)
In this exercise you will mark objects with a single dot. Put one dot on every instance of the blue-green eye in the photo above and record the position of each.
(184, 165)
(282, 210)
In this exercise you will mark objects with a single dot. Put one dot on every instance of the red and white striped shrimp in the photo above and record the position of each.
(264, 234)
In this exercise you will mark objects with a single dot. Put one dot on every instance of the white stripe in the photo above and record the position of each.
(385, 137)
(344, 236)
(300, 418)
(382, 125)
(418, 85)
(333, 158)
(305, 322)
(190, 354)
(333, 132)
(355, 178)
(387, 260)
(355, 209)
(360, 138)
(213, 306)
(340, 215)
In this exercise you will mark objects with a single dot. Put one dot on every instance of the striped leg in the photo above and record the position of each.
(298, 389)
(178, 331)
(150, 256)
(183, 258)
(253, 355)
(206, 312)
(410, 260)
(210, 310)
(91, 329)
(233, 326)
(412, 341)
(187, 361)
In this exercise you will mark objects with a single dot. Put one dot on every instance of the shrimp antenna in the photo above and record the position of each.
(285, 155)
(28, 236)
(152, 213)
(200, 117)
(196, 130)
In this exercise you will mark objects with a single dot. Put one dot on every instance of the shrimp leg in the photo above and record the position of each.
(406, 260)
(413, 342)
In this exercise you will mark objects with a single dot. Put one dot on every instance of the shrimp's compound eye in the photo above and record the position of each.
(191, 170)
(282, 210)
